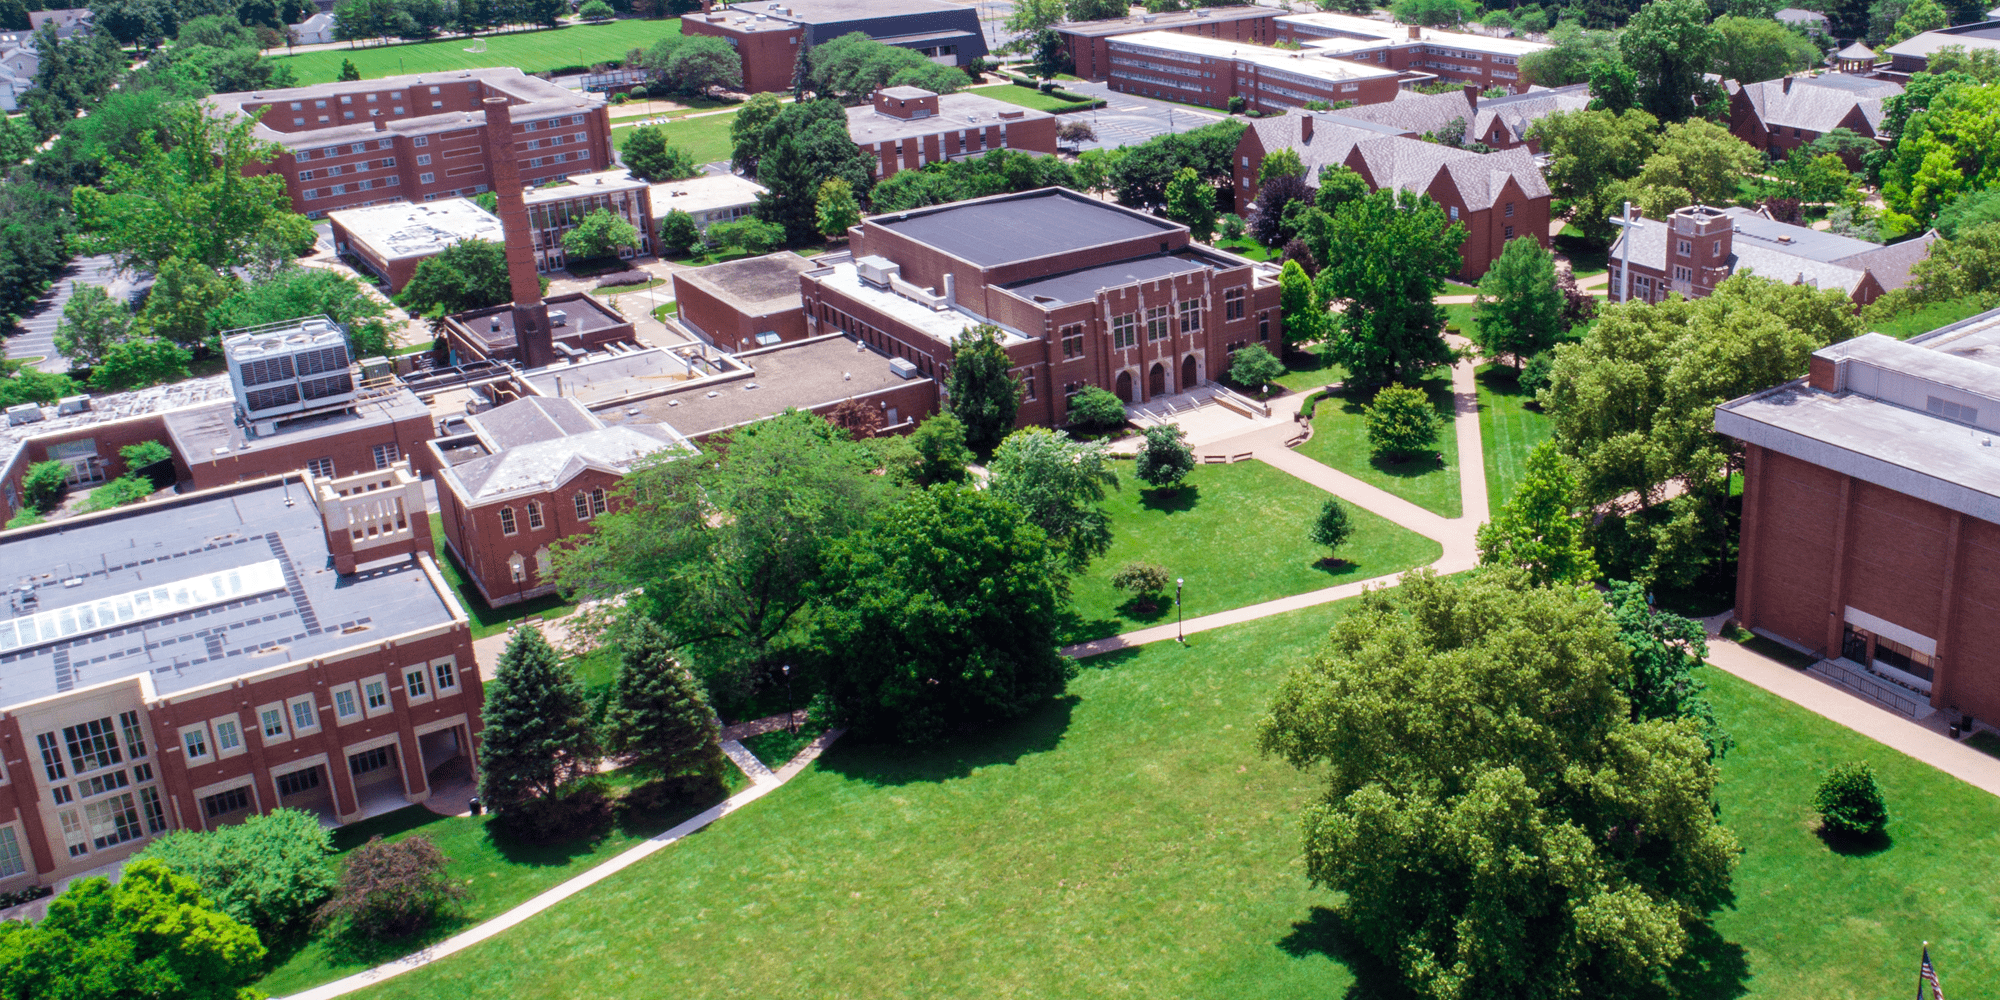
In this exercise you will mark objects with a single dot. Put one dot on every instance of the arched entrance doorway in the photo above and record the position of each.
(1190, 373)
(1156, 381)
(1124, 387)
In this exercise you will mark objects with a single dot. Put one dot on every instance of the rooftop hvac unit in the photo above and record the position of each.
(72, 404)
(26, 413)
(559, 317)
(877, 270)
(903, 368)
(286, 368)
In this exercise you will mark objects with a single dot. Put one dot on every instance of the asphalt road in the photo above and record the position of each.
(36, 335)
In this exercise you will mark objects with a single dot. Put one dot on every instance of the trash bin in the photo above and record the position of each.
(473, 804)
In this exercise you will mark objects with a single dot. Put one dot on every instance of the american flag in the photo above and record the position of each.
(1926, 974)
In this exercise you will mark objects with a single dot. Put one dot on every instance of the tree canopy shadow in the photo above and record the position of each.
(1324, 931)
(1712, 968)
(1855, 845)
(1171, 501)
(886, 762)
(1146, 609)
(1408, 468)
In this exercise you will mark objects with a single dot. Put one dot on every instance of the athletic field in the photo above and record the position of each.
(532, 51)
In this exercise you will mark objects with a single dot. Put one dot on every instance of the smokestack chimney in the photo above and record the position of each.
(534, 344)
(1788, 85)
(1416, 32)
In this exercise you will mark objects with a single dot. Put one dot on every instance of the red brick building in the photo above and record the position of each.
(1871, 516)
(420, 137)
(1698, 247)
(768, 34)
(1778, 116)
(1504, 122)
(391, 240)
(1195, 69)
(1427, 53)
(907, 127)
(1085, 293)
(1497, 196)
(1085, 43)
(187, 662)
(742, 305)
(529, 474)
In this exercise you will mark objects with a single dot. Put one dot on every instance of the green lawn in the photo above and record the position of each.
(1306, 371)
(485, 620)
(1128, 840)
(1459, 315)
(1013, 94)
(1905, 325)
(1238, 535)
(500, 871)
(1508, 430)
(532, 51)
(1247, 247)
(704, 137)
(691, 105)
(1586, 256)
(1340, 440)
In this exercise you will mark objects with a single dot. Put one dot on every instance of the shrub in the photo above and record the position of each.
(392, 890)
(619, 98)
(1096, 408)
(595, 10)
(45, 484)
(1401, 423)
(1143, 580)
(1237, 104)
(1253, 367)
(679, 232)
(1047, 86)
(1535, 374)
(1233, 226)
(268, 871)
(637, 93)
(28, 517)
(1333, 526)
(117, 493)
(1164, 460)
(145, 453)
(1850, 803)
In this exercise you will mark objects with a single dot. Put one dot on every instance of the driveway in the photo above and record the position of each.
(1128, 120)
(36, 337)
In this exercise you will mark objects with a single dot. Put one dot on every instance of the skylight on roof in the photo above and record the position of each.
(139, 605)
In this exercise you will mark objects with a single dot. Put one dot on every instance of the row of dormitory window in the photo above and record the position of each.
(589, 504)
(222, 737)
(385, 455)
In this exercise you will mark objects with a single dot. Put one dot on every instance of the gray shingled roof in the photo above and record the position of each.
(1809, 256)
(1815, 105)
(1413, 112)
(1518, 113)
(536, 418)
(539, 443)
(1406, 164)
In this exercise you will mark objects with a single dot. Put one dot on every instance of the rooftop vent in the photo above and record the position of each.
(902, 368)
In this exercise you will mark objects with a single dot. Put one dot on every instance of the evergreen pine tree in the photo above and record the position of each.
(657, 714)
(538, 736)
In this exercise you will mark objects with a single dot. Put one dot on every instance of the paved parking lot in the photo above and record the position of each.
(36, 337)
(1128, 120)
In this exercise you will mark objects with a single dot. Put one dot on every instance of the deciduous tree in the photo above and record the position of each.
(1253, 366)
(1059, 484)
(678, 233)
(1566, 850)
(269, 871)
(941, 616)
(1164, 460)
(1590, 153)
(649, 158)
(981, 393)
(392, 889)
(137, 362)
(1401, 423)
(1669, 44)
(92, 321)
(1332, 526)
(1191, 202)
(1299, 304)
(746, 131)
(1541, 527)
(1519, 310)
(467, 274)
(941, 452)
(836, 210)
(291, 292)
(1096, 408)
(537, 737)
(600, 234)
(1749, 49)
(1696, 163)
(1385, 258)
(185, 293)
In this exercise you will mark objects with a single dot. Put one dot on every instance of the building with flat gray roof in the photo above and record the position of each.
(768, 34)
(183, 663)
(391, 240)
(1871, 515)
(741, 305)
(908, 127)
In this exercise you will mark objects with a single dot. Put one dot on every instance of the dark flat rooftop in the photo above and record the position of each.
(753, 285)
(1082, 285)
(585, 316)
(1006, 228)
(1165, 19)
(805, 374)
(267, 618)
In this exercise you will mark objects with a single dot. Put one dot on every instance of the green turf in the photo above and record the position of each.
(1024, 97)
(1508, 430)
(1924, 319)
(1586, 256)
(1247, 247)
(1817, 923)
(778, 747)
(1340, 440)
(485, 620)
(501, 873)
(1238, 535)
(532, 51)
(704, 137)
(1307, 371)
(1458, 316)
(1126, 840)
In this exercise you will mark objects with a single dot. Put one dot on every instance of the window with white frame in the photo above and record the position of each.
(195, 739)
(375, 694)
(228, 736)
(321, 467)
(1190, 315)
(507, 526)
(1124, 330)
(52, 756)
(1683, 273)
(75, 835)
(272, 720)
(1156, 323)
(386, 455)
(415, 686)
(446, 674)
(534, 515)
(345, 704)
(11, 863)
(155, 810)
(305, 715)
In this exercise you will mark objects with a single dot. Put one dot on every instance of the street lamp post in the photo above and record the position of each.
(1179, 636)
(791, 714)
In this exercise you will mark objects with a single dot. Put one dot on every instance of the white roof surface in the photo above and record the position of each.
(704, 194)
(1304, 63)
(403, 229)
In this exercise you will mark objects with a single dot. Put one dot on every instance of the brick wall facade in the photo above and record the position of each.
(1091, 53)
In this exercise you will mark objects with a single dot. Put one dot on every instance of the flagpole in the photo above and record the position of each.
(1920, 970)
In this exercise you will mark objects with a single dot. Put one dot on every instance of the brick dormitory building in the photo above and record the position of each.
(1871, 516)
(420, 137)
(768, 34)
(1698, 247)
(1497, 196)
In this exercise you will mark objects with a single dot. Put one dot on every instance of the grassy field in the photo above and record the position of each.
(485, 620)
(1508, 430)
(1306, 371)
(1340, 440)
(1908, 324)
(532, 51)
(1129, 841)
(500, 871)
(1035, 99)
(1247, 247)
(1238, 534)
(1586, 256)
(704, 137)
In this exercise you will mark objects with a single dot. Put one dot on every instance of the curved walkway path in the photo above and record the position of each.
(761, 785)
(1268, 445)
